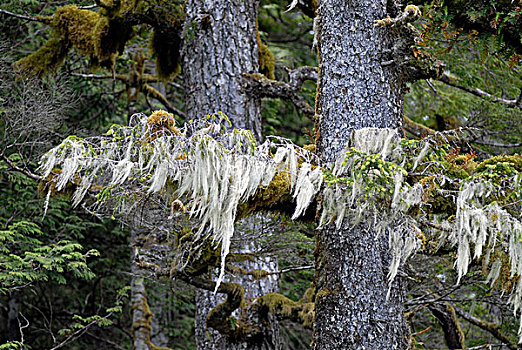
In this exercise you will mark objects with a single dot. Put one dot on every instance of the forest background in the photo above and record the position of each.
(66, 276)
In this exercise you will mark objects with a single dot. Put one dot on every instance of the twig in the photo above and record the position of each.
(27, 18)
(515, 103)
(21, 170)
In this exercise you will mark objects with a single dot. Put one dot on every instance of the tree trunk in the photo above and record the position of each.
(13, 323)
(149, 237)
(355, 91)
(221, 44)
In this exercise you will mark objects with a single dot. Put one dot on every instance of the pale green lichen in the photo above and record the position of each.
(217, 171)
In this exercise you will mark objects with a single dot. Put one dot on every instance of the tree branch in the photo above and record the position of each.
(260, 86)
(451, 81)
(492, 328)
(21, 170)
(27, 18)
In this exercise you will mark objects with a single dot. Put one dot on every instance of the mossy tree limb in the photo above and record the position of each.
(453, 334)
(490, 327)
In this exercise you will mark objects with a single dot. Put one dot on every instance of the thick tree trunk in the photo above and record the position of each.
(220, 44)
(355, 91)
(210, 339)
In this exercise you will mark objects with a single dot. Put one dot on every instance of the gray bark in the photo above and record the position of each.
(355, 91)
(219, 46)
(208, 338)
(149, 245)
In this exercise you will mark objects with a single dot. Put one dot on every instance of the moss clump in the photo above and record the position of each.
(302, 311)
(76, 26)
(267, 197)
(515, 159)
(49, 185)
(47, 59)
(94, 35)
(109, 38)
(158, 122)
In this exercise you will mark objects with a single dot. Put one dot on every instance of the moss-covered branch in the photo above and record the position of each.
(453, 334)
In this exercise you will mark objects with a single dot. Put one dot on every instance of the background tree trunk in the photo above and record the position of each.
(221, 44)
(355, 91)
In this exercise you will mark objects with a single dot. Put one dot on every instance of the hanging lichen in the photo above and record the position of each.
(392, 184)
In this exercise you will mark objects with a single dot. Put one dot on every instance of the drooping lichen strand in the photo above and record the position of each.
(380, 178)
(215, 170)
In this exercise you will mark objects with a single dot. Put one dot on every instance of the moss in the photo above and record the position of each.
(504, 281)
(92, 34)
(515, 159)
(158, 122)
(166, 50)
(47, 59)
(278, 304)
(49, 184)
(310, 148)
(266, 57)
(267, 197)
(109, 38)
(76, 26)
(220, 317)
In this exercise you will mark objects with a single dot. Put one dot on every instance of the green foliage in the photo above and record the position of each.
(12, 345)
(25, 260)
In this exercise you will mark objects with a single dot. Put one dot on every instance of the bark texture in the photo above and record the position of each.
(149, 246)
(220, 45)
(355, 91)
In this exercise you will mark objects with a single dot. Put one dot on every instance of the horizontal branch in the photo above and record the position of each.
(260, 86)
(515, 103)
(21, 170)
(27, 18)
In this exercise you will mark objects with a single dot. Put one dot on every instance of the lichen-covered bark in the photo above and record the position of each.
(355, 91)
(220, 45)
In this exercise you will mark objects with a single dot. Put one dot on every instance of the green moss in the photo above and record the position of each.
(267, 197)
(49, 184)
(515, 159)
(278, 304)
(266, 57)
(97, 37)
(109, 37)
(47, 59)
